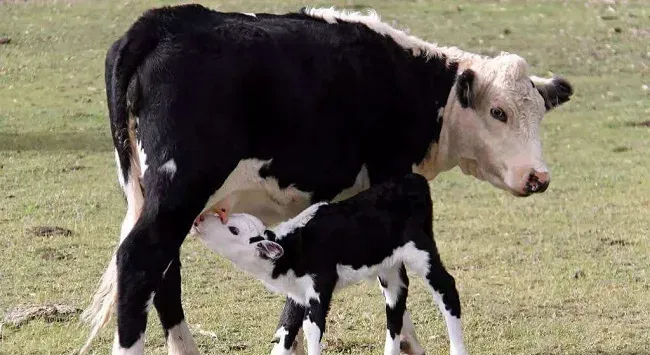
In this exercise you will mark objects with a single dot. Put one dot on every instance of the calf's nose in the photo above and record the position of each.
(537, 182)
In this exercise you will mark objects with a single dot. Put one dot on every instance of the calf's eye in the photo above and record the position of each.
(234, 230)
(498, 114)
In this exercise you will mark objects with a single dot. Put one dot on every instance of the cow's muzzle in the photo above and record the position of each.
(537, 182)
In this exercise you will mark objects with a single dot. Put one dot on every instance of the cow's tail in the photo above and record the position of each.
(122, 62)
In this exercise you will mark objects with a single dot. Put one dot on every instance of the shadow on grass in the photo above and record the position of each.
(44, 141)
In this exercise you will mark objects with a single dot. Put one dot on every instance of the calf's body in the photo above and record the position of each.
(380, 232)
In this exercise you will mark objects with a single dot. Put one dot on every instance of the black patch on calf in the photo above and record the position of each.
(465, 88)
(269, 235)
(256, 239)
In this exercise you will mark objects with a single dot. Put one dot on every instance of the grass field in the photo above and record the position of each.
(566, 272)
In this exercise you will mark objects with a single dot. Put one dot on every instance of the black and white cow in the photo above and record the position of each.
(267, 114)
(380, 232)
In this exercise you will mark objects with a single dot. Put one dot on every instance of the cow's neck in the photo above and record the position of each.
(441, 154)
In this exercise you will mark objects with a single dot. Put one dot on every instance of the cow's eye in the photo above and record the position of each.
(234, 230)
(498, 114)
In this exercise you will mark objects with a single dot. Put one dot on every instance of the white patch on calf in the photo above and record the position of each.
(454, 326)
(414, 258)
(169, 167)
(313, 336)
(249, 14)
(391, 346)
(280, 336)
(392, 290)
(298, 221)
(180, 340)
(136, 349)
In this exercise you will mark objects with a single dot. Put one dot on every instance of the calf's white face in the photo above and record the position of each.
(491, 123)
(241, 240)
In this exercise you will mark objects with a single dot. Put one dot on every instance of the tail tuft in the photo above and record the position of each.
(98, 314)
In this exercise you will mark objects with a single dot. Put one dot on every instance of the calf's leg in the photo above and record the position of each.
(443, 287)
(394, 286)
(315, 316)
(287, 336)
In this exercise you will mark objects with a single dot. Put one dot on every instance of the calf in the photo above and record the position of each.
(267, 114)
(380, 232)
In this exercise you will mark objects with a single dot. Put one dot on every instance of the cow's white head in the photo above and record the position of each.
(491, 123)
(244, 240)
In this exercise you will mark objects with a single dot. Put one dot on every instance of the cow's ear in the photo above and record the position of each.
(465, 88)
(269, 250)
(555, 91)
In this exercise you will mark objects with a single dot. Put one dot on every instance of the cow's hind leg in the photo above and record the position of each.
(394, 287)
(147, 260)
(170, 311)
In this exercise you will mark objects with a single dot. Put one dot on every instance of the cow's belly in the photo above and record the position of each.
(245, 191)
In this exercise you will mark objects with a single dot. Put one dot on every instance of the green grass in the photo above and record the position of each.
(566, 272)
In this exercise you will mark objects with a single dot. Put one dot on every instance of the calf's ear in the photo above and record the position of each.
(465, 88)
(555, 91)
(269, 250)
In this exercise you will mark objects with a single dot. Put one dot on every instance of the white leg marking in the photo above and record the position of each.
(393, 287)
(135, 349)
(408, 335)
(313, 335)
(454, 327)
(169, 167)
(180, 340)
(392, 344)
(280, 336)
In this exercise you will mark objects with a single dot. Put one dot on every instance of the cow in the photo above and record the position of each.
(268, 114)
(378, 233)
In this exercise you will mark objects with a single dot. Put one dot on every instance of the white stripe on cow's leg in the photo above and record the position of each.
(136, 349)
(394, 285)
(180, 340)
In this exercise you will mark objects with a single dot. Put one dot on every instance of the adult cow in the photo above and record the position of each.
(267, 114)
